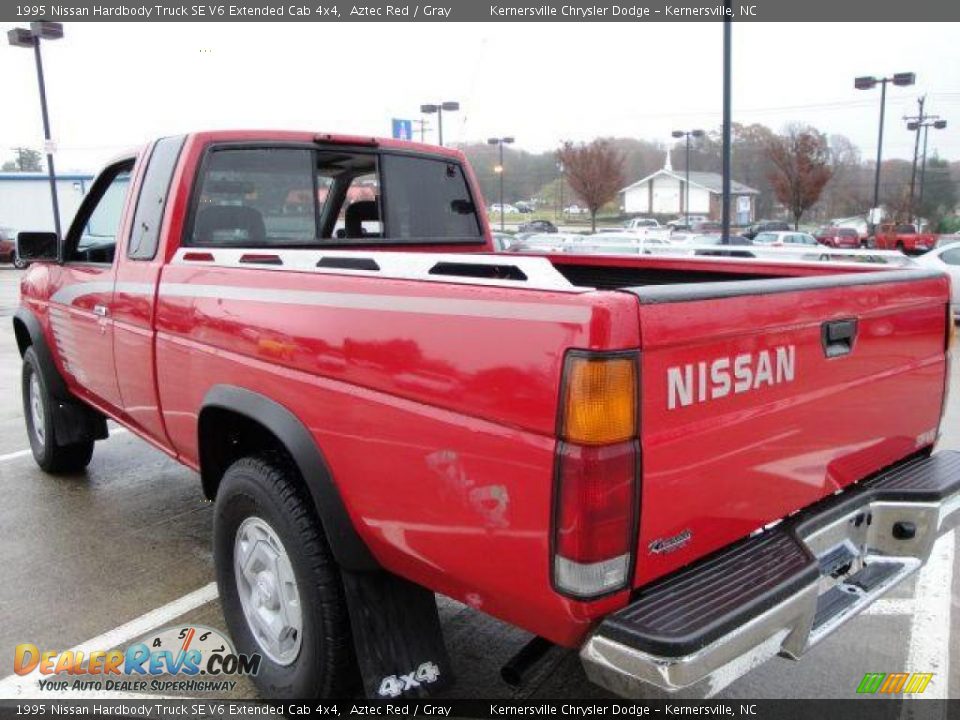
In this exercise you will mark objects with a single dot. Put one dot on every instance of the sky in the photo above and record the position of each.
(112, 86)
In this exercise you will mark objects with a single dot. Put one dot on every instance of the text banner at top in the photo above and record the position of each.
(851, 11)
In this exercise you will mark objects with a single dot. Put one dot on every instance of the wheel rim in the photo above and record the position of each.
(36, 409)
(268, 590)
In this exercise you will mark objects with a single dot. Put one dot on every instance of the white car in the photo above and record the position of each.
(782, 238)
(640, 224)
(508, 209)
(947, 259)
(574, 210)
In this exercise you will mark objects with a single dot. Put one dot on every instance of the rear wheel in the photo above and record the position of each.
(18, 263)
(38, 413)
(280, 587)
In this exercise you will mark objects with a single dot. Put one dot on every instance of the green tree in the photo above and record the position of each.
(24, 160)
(939, 190)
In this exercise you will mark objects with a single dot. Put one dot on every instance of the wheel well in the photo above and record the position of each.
(22, 334)
(224, 437)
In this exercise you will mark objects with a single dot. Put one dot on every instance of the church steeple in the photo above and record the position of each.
(667, 165)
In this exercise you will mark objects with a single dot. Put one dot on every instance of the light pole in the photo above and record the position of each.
(686, 188)
(868, 83)
(560, 190)
(500, 142)
(727, 121)
(30, 38)
(438, 109)
(934, 122)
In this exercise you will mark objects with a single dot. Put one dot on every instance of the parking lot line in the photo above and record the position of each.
(16, 685)
(930, 627)
(23, 453)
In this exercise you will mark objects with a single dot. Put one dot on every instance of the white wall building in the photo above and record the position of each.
(664, 193)
(25, 199)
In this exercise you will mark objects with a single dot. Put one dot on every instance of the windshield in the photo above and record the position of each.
(906, 230)
(765, 238)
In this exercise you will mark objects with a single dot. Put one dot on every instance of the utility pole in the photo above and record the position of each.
(727, 132)
(424, 126)
(919, 118)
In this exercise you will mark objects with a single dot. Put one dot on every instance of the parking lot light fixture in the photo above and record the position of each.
(498, 169)
(936, 125)
(903, 79)
(686, 188)
(429, 109)
(30, 38)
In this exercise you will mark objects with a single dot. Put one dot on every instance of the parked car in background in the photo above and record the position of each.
(501, 241)
(685, 222)
(946, 258)
(943, 240)
(860, 224)
(703, 228)
(538, 226)
(508, 209)
(8, 245)
(523, 207)
(640, 223)
(838, 237)
(783, 239)
(765, 226)
(903, 237)
(574, 210)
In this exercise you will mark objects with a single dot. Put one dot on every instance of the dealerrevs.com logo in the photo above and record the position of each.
(894, 683)
(190, 659)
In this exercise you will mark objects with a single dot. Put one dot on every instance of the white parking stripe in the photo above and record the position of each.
(26, 685)
(930, 628)
(892, 606)
(24, 453)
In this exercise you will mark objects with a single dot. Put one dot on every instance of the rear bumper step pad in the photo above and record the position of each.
(780, 591)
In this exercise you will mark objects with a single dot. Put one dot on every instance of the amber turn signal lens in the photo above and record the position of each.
(600, 402)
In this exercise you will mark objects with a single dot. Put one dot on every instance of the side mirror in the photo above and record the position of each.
(462, 207)
(38, 247)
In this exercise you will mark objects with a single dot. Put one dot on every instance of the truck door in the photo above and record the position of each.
(80, 308)
(134, 300)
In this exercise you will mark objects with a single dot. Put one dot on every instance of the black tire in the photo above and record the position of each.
(50, 456)
(19, 264)
(268, 488)
(901, 247)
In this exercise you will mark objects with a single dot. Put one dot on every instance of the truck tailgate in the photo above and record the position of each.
(760, 400)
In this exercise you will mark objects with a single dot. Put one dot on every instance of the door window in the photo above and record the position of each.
(93, 233)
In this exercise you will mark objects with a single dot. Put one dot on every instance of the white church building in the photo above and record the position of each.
(664, 193)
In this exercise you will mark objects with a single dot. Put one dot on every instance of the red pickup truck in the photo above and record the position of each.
(903, 237)
(680, 466)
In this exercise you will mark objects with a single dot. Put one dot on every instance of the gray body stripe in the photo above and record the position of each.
(540, 312)
(505, 310)
(66, 295)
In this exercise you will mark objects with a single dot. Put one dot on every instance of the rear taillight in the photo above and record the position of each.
(950, 348)
(596, 497)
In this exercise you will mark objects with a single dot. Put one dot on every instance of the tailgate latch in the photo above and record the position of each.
(837, 337)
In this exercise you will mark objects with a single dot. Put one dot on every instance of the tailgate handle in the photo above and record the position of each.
(837, 337)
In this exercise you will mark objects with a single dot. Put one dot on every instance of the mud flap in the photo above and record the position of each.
(397, 636)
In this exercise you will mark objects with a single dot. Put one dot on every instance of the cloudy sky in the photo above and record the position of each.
(114, 85)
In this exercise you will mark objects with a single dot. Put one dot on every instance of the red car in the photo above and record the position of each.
(682, 466)
(903, 237)
(8, 245)
(838, 237)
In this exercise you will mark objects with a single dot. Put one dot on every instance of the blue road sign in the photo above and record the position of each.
(402, 129)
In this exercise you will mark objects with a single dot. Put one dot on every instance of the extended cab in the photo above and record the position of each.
(680, 466)
(903, 237)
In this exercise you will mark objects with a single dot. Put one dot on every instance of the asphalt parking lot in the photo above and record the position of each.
(102, 559)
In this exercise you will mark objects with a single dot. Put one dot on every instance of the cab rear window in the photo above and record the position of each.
(304, 197)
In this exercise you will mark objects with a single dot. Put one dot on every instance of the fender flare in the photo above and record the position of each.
(349, 549)
(56, 385)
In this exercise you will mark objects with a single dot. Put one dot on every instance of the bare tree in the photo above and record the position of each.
(595, 173)
(801, 168)
(25, 160)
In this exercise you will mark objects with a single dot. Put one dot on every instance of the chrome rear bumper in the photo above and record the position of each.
(845, 554)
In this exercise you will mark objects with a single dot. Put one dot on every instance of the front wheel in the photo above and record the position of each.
(51, 456)
(18, 263)
(280, 587)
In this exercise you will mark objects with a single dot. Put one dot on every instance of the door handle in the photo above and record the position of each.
(100, 310)
(838, 336)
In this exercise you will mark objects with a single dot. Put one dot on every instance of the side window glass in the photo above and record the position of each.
(951, 257)
(93, 235)
(427, 200)
(145, 232)
(257, 197)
